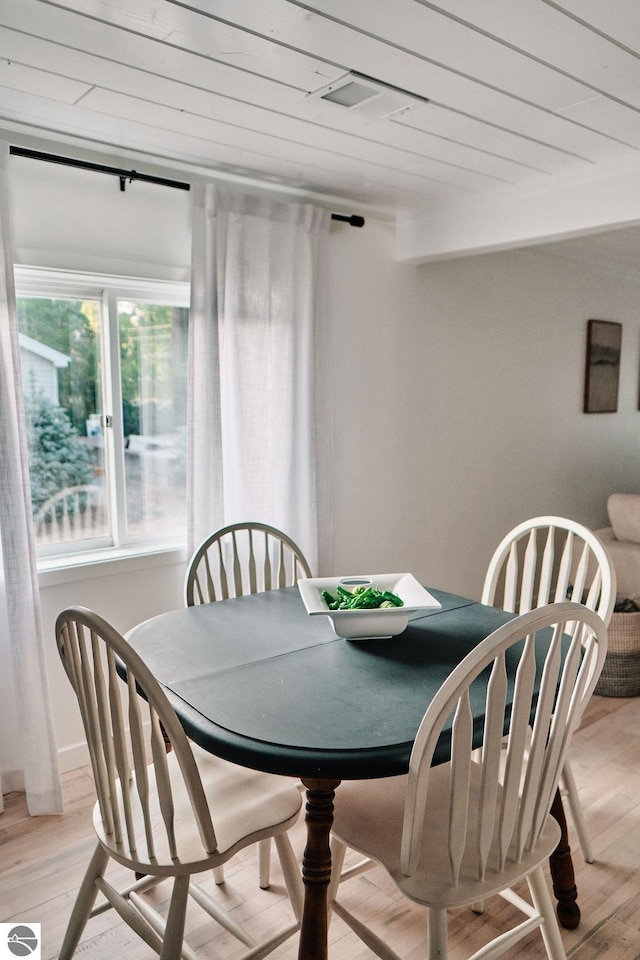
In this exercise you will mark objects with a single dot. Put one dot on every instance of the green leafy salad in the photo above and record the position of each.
(362, 598)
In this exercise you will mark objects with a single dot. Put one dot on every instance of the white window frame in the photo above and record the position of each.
(108, 289)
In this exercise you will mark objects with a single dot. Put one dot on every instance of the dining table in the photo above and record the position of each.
(259, 682)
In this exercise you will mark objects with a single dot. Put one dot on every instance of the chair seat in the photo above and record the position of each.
(249, 805)
(369, 817)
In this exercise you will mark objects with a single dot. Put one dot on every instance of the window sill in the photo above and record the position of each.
(106, 563)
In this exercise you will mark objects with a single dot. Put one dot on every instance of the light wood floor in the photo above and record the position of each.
(42, 860)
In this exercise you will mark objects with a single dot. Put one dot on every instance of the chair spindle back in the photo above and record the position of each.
(243, 558)
(497, 814)
(547, 560)
(122, 708)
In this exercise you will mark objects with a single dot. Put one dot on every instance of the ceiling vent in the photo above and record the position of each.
(366, 96)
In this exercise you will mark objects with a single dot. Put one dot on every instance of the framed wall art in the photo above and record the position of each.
(602, 374)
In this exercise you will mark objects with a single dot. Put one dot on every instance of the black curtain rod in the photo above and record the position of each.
(131, 175)
(124, 175)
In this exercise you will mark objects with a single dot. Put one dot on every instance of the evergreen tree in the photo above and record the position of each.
(56, 457)
(69, 326)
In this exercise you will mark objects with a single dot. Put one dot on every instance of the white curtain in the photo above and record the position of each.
(256, 266)
(28, 756)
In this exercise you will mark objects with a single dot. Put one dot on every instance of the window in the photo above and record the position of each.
(104, 367)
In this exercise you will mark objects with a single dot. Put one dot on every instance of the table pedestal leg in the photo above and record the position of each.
(562, 875)
(316, 868)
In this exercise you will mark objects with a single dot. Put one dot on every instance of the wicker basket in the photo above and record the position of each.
(620, 675)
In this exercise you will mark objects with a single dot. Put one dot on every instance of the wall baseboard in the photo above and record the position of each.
(70, 758)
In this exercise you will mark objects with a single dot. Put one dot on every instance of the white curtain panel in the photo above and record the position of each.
(256, 267)
(28, 756)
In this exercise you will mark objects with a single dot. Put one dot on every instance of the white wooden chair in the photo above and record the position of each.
(236, 560)
(240, 559)
(460, 832)
(550, 559)
(180, 814)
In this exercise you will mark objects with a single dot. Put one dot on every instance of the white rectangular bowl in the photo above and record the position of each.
(377, 624)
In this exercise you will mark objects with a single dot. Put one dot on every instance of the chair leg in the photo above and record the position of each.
(570, 790)
(84, 903)
(542, 902)
(338, 850)
(264, 866)
(368, 937)
(437, 934)
(264, 863)
(174, 931)
(291, 873)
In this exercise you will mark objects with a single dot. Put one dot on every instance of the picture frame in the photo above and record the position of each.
(602, 371)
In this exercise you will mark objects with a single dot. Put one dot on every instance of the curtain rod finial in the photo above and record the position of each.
(354, 220)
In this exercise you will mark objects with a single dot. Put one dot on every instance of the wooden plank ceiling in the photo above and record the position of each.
(506, 95)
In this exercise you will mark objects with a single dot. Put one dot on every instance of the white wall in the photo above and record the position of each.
(452, 405)
(458, 395)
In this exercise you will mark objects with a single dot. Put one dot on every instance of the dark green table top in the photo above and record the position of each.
(259, 682)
